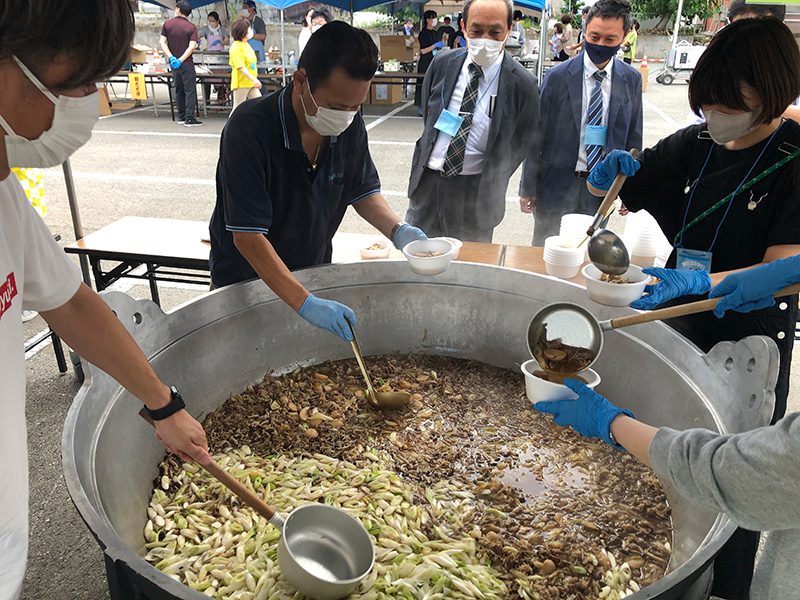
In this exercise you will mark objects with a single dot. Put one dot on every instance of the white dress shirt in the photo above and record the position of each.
(479, 130)
(589, 69)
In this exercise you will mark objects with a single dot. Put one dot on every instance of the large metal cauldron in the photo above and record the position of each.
(215, 345)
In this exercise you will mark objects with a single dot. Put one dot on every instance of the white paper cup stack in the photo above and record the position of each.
(561, 258)
(574, 225)
(643, 237)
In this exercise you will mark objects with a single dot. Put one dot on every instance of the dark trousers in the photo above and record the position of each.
(183, 79)
(445, 206)
(547, 212)
(733, 566)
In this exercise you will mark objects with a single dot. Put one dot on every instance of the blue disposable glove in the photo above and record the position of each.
(439, 45)
(329, 315)
(462, 43)
(753, 289)
(673, 284)
(407, 234)
(614, 163)
(590, 414)
(174, 62)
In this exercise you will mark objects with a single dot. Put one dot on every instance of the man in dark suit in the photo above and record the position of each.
(480, 110)
(590, 105)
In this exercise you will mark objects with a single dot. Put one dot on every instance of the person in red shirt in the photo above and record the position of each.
(178, 40)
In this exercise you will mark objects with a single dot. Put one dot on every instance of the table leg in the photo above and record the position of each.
(151, 276)
(153, 92)
(205, 100)
(99, 280)
(59, 350)
(171, 101)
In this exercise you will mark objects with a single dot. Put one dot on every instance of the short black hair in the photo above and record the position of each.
(239, 28)
(429, 14)
(517, 15)
(321, 12)
(739, 8)
(566, 19)
(509, 7)
(338, 45)
(38, 31)
(184, 7)
(214, 14)
(635, 23)
(761, 53)
(446, 18)
(612, 9)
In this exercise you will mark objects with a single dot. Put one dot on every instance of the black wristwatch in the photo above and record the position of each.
(395, 229)
(175, 404)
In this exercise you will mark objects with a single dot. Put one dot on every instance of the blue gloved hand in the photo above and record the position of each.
(174, 62)
(614, 163)
(439, 45)
(407, 234)
(462, 43)
(330, 315)
(753, 289)
(673, 284)
(590, 414)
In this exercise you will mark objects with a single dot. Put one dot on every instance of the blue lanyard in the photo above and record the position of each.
(732, 195)
(465, 89)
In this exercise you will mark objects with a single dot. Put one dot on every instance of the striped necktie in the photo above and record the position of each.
(454, 159)
(595, 117)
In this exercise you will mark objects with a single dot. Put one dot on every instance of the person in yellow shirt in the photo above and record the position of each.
(242, 58)
(629, 45)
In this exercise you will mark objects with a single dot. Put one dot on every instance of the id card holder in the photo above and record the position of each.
(693, 260)
(595, 135)
(448, 123)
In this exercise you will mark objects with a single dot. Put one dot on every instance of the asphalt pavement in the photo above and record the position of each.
(139, 164)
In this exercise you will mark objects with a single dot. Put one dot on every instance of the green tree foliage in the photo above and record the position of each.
(666, 9)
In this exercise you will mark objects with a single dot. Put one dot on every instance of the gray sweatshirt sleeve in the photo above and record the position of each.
(753, 477)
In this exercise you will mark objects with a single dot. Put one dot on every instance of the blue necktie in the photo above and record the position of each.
(595, 117)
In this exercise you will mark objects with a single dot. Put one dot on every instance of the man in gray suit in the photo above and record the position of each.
(590, 105)
(480, 110)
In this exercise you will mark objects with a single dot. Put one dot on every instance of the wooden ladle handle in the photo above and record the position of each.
(685, 309)
(233, 484)
(611, 195)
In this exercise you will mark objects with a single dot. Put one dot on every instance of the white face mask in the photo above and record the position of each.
(328, 121)
(485, 51)
(725, 128)
(214, 28)
(244, 13)
(250, 33)
(315, 28)
(73, 121)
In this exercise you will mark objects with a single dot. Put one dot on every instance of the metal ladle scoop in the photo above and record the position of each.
(383, 400)
(566, 324)
(606, 250)
(323, 552)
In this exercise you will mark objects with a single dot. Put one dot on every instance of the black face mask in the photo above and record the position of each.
(598, 53)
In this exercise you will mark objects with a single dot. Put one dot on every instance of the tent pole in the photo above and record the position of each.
(351, 13)
(543, 45)
(76, 218)
(677, 24)
(283, 53)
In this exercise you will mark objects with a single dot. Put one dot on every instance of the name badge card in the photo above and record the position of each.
(693, 260)
(448, 123)
(595, 135)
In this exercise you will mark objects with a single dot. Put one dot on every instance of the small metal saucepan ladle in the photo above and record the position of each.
(577, 328)
(324, 553)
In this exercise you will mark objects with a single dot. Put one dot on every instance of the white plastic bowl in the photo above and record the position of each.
(433, 265)
(385, 245)
(456, 246)
(615, 294)
(561, 258)
(539, 390)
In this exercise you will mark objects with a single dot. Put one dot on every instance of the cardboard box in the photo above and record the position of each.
(394, 47)
(383, 92)
(138, 53)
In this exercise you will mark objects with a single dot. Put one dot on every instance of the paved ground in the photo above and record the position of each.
(137, 164)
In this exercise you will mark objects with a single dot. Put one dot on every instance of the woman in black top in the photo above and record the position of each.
(743, 82)
(428, 42)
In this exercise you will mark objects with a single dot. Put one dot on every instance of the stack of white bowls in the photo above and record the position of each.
(574, 225)
(643, 238)
(561, 258)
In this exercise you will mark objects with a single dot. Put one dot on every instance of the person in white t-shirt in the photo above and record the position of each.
(48, 107)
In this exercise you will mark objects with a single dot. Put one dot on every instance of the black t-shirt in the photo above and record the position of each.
(265, 184)
(427, 38)
(744, 235)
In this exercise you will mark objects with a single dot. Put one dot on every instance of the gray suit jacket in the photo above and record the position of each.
(516, 114)
(550, 166)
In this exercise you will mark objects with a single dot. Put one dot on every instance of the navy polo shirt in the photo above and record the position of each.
(265, 184)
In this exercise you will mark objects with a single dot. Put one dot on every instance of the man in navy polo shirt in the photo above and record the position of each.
(290, 164)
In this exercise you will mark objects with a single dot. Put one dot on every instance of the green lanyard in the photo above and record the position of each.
(730, 196)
